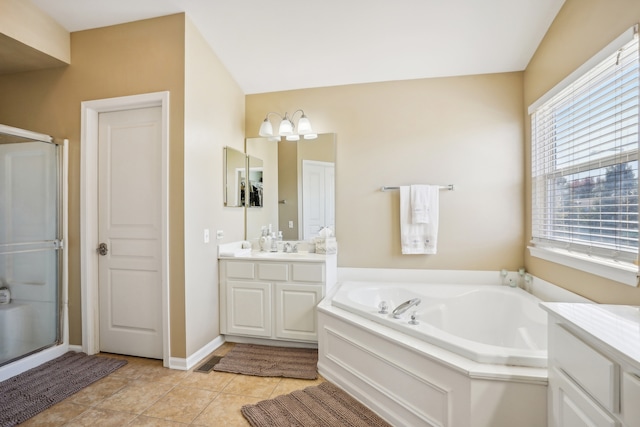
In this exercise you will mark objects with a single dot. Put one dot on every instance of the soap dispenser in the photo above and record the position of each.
(265, 240)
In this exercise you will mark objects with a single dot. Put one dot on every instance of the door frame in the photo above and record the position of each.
(90, 111)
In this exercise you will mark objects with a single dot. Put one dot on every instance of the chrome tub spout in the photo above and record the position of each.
(399, 310)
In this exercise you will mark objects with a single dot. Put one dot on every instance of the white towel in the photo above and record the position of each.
(235, 253)
(418, 238)
(420, 203)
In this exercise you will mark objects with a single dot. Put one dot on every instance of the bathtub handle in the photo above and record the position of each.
(399, 310)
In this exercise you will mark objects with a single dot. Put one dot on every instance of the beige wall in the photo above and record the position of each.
(214, 118)
(23, 22)
(141, 57)
(206, 113)
(580, 30)
(466, 131)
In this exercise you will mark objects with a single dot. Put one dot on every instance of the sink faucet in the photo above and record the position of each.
(399, 310)
(287, 247)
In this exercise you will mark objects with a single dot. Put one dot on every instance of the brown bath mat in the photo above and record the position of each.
(33, 391)
(267, 361)
(324, 405)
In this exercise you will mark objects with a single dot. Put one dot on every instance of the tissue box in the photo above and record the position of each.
(326, 245)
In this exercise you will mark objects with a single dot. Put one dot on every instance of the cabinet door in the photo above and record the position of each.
(249, 308)
(296, 311)
(631, 399)
(571, 407)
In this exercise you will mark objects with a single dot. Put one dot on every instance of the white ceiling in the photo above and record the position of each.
(275, 45)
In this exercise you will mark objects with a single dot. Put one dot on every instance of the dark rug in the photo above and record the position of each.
(33, 391)
(324, 405)
(267, 361)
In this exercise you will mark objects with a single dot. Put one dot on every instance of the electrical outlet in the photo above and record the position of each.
(220, 234)
(206, 235)
(290, 224)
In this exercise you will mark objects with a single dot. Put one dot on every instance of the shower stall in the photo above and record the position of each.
(32, 255)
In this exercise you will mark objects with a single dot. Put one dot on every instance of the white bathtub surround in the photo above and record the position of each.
(485, 323)
(542, 289)
(410, 381)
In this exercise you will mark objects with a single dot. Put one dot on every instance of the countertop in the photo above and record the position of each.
(615, 326)
(243, 250)
(277, 256)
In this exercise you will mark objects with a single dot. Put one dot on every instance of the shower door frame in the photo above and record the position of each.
(61, 344)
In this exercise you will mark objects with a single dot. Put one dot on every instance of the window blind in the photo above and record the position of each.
(585, 160)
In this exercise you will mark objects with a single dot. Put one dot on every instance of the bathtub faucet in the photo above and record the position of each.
(399, 310)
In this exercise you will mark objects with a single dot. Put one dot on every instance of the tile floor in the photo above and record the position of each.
(143, 393)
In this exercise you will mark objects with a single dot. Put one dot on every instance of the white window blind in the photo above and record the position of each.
(585, 160)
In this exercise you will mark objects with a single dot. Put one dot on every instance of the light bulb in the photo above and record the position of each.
(304, 125)
(266, 129)
(286, 127)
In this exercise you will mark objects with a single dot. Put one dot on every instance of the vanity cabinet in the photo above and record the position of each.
(594, 365)
(275, 298)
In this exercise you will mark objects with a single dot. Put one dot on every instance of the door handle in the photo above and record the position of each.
(102, 249)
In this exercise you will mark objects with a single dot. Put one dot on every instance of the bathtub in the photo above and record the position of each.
(485, 323)
(477, 357)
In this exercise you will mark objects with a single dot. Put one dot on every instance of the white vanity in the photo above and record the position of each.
(273, 295)
(594, 365)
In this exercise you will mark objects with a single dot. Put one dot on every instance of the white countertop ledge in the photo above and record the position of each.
(615, 326)
(276, 256)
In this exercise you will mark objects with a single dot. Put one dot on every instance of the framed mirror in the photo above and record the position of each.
(298, 188)
(235, 177)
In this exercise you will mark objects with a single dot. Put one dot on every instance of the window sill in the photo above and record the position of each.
(621, 272)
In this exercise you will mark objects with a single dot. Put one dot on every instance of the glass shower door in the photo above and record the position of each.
(29, 248)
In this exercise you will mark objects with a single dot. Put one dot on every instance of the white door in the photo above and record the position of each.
(129, 227)
(318, 195)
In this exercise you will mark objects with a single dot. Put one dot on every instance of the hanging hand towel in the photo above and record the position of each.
(418, 238)
(420, 199)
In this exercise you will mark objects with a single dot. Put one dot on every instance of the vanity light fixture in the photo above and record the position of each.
(287, 128)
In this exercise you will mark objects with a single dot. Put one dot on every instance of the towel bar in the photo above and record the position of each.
(449, 187)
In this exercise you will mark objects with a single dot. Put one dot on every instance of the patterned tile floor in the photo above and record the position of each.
(143, 393)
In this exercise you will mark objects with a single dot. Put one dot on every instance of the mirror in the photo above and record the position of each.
(235, 173)
(299, 186)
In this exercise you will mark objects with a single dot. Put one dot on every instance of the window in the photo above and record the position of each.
(584, 153)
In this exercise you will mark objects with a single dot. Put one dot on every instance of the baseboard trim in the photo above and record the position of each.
(183, 364)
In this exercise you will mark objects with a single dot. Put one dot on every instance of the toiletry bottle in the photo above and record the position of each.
(264, 244)
(5, 295)
(274, 242)
(279, 243)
